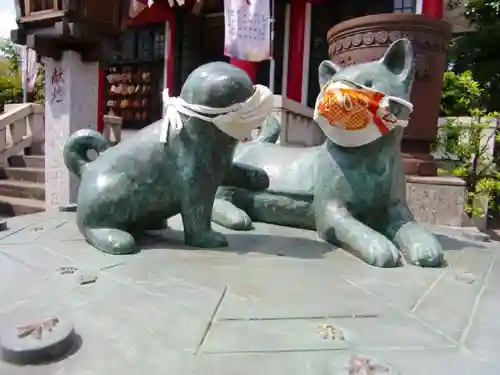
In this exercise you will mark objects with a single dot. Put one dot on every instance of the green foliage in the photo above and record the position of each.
(39, 90)
(482, 12)
(10, 85)
(479, 51)
(10, 76)
(460, 93)
(466, 143)
(9, 50)
(473, 89)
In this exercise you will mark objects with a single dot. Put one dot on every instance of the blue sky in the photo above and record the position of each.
(7, 18)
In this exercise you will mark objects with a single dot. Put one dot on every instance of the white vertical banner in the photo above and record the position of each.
(137, 6)
(247, 29)
(29, 68)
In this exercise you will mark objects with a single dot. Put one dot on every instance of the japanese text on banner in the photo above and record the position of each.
(247, 29)
(29, 67)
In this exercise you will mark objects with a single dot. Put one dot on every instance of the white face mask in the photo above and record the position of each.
(237, 120)
(352, 115)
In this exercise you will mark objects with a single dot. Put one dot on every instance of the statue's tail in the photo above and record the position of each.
(77, 146)
(270, 131)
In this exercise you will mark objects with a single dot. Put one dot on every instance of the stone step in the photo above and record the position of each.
(30, 161)
(23, 174)
(22, 189)
(11, 206)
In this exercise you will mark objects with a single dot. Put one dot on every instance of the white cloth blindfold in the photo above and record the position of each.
(237, 120)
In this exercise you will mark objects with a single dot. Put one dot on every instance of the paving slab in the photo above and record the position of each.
(450, 301)
(356, 333)
(276, 301)
(482, 334)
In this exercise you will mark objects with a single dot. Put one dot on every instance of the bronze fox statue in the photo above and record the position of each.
(139, 183)
(351, 189)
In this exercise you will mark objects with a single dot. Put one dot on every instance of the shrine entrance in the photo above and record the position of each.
(136, 65)
(203, 42)
(134, 75)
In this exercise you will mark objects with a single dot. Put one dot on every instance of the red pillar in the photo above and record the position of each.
(432, 8)
(250, 67)
(169, 57)
(101, 87)
(296, 50)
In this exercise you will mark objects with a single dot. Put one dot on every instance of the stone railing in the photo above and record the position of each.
(297, 125)
(21, 126)
(487, 140)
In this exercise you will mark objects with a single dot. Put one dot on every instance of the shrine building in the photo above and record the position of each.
(163, 44)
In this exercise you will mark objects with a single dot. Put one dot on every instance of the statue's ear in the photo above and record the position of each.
(326, 71)
(399, 59)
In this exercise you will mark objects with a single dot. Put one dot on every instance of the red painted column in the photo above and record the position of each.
(101, 87)
(432, 8)
(250, 67)
(169, 61)
(296, 49)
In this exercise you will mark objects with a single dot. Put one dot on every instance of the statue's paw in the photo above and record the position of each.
(209, 239)
(228, 215)
(425, 251)
(369, 246)
(425, 254)
(111, 240)
(419, 246)
(379, 251)
(239, 221)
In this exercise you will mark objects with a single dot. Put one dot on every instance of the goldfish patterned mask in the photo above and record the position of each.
(352, 115)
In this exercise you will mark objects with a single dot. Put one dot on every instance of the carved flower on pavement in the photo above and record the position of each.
(364, 366)
(36, 329)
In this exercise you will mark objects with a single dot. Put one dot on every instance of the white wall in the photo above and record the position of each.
(488, 134)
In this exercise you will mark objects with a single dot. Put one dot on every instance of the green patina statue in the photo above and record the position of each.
(351, 189)
(138, 184)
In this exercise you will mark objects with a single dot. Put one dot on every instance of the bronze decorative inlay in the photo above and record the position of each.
(327, 331)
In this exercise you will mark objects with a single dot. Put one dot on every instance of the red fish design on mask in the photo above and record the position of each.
(354, 109)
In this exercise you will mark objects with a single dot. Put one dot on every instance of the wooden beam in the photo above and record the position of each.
(93, 31)
(62, 27)
(44, 46)
(43, 15)
(27, 7)
(90, 52)
(18, 36)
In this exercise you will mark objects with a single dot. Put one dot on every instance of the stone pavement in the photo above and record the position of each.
(277, 301)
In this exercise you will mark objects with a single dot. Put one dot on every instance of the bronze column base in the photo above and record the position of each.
(417, 159)
(419, 165)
